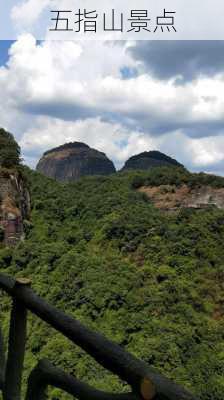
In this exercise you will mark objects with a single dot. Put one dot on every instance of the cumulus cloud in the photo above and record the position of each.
(61, 91)
(196, 153)
(56, 78)
(119, 143)
(184, 60)
(113, 139)
(27, 12)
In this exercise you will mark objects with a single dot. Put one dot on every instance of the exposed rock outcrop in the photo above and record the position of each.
(71, 161)
(173, 198)
(148, 160)
(14, 206)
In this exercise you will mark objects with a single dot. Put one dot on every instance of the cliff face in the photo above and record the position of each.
(73, 160)
(150, 159)
(173, 198)
(14, 206)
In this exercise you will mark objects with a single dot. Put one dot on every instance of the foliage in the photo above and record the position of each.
(9, 150)
(175, 176)
(151, 281)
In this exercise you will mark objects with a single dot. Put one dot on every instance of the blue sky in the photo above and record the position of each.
(4, 48)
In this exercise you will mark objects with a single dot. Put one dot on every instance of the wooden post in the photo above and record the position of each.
(147, 389)
(2, 361)
(16, 346)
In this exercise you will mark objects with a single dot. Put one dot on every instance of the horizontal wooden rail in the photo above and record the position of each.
(145, 382)
(46, 374)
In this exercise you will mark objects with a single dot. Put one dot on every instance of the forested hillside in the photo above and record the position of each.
(150, 280)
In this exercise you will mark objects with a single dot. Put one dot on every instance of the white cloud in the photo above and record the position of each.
(208, 151)
(119, 143)
(59, 91)
(196, 153)
(89, 75)
(27, 12)
(113, 139)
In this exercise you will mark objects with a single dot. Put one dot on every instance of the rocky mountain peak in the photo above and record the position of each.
(71, 161)
(150, 159)
(67, 146)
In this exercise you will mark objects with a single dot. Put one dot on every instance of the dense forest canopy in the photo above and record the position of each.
(9, 150)
(149, 280)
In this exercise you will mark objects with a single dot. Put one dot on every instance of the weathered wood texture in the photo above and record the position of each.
(16, 348)
(145, 382)
(2, 360)
(46, 374)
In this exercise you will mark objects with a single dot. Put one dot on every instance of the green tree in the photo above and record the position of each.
(9, 150)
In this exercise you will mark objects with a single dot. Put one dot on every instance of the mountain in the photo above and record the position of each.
(149, 159)
(72, 160)
(114, 258)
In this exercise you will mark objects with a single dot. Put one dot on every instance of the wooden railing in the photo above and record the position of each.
(145, 382)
